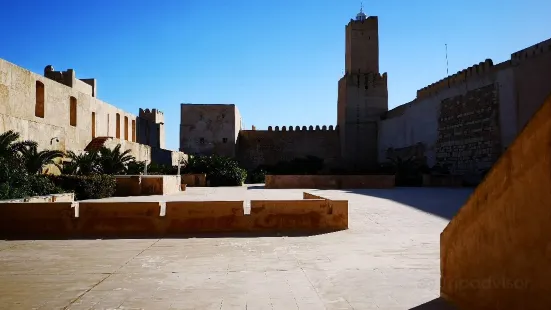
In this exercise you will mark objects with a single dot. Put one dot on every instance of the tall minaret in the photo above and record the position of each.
(362, 94)
(362, 44)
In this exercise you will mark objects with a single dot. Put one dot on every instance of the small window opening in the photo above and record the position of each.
(39, 106)
(202, 140)
(73, 111)
(225, 140)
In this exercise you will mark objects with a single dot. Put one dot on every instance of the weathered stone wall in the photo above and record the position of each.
(207, 129)
(468, 131)
(520, 85)
(256, 147)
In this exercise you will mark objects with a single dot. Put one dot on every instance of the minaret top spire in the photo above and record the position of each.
(361, 15)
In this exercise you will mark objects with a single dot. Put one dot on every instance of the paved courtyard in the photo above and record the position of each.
(388, 259)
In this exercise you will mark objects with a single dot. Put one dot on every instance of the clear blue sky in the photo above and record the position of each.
(278, 61)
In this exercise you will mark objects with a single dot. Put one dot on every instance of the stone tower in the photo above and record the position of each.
(362, 94)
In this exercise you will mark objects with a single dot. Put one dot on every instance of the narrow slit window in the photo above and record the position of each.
(39, 106)
(73, 111)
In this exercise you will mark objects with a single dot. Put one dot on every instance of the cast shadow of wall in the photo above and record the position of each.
(442, 202)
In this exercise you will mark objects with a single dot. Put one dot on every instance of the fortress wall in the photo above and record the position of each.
(431, 115)
(42, 110)
(18, 100)
(256, 147)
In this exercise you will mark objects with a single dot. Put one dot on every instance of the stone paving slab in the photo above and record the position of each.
(388, 259)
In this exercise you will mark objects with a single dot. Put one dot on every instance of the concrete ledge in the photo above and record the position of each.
(311, 216)
(145, 185)
(194, 179)
(143, 219)
(204, 216)
(65, 197)
(116, 219)
(54, 219)
(329, 181)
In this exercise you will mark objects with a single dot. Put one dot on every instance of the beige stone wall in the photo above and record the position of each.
(67, 118)
(209, 129)
(17, 111)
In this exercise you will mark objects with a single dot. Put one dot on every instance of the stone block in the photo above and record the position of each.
(45, 220)
(204, 216)
(305, 216)
(118, 219)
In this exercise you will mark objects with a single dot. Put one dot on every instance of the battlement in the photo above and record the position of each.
(480, 69)
(68, 78)
(304, 128)
(153, 115)
(366, 80)
(370, 21)
(531, 52)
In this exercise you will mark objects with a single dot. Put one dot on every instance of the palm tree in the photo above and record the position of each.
(10, 147)
(113, 161)
(82, 164)
(35, 161)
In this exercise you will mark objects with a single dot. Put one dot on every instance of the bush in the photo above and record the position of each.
(257, 176)
(16, 182)
(86, 187)
(220, 171)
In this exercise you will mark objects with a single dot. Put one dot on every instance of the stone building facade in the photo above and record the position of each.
(464, 121)
(61, 112)
(209, 129)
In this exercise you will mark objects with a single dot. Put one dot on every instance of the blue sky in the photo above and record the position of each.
(278, 61)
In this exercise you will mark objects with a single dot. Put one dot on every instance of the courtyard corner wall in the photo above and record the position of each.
(468, 119)
(256, 147)
(61, 112)
(495, 252)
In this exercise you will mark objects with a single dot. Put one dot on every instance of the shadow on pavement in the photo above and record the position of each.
(442, 202)
(435, 304)
(179, 236)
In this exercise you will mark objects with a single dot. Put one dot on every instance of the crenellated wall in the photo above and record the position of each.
(150, 128)
(461, 77)
(257, 147)
(468, 119)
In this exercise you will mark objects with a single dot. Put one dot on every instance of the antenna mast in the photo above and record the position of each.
(447, 66)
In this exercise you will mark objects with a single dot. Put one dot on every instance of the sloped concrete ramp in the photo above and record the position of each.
(496, 252)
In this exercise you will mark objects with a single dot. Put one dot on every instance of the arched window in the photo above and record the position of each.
(39, 105)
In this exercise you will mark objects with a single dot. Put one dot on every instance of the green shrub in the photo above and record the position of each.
(86, 187)
(220, 171)
(16, 182)
(257, 176)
